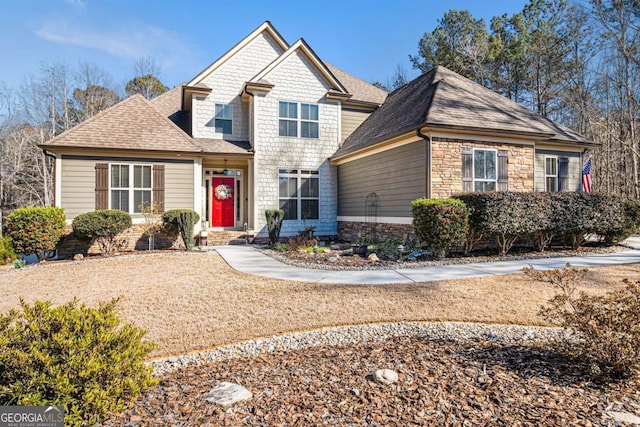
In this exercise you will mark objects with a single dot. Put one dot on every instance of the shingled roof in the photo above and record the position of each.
(361, 90)
(130, 124)
(442, 99)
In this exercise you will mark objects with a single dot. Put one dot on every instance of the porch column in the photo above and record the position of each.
(197, 192)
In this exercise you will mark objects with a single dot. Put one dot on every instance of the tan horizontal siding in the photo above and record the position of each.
(178, 186)
(575, 168)
(397, 176)
(351, 120)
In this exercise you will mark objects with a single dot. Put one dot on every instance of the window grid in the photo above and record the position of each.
(306, 124)
(131, 186)
(551, 173)
(224, 118)
(485, 173)
(299, 194)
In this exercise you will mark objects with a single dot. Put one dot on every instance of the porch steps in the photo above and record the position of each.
(226, 237)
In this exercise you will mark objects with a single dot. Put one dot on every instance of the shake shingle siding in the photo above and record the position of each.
(397, 176)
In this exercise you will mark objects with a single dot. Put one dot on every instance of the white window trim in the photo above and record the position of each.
(215, 116)
(547, 175)
(299, 174)
(130, 189)
(473, 168)
(299, 120)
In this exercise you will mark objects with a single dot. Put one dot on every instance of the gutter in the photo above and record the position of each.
(427, 178)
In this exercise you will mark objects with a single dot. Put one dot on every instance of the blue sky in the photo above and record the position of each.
(366, 38)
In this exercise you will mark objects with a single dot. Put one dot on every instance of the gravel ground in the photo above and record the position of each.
(450, 374)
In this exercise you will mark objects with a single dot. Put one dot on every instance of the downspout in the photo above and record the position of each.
(53, 175)
(251, 165)
(427, 177)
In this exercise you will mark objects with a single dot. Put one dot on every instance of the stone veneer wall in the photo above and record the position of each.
(446, 161)
(133, 239)
(351, 231)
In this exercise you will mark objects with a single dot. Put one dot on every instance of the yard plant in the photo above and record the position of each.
(440, 223)
(36, 230)
(274, 224)
(183, 220)
(72, 355)
(102, 227)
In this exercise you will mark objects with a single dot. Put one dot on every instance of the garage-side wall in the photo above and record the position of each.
(575, 168)
(397, 176)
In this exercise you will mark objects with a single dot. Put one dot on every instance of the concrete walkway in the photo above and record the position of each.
(249, 260)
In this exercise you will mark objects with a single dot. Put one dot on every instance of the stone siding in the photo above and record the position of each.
(133, 239)
(350, 231)
(446, 159)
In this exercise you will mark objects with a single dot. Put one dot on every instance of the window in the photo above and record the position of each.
(299, 194)
(551, 174)
(556, 173)
(484, 170)
(288, 124)
(224, 118)
(130, 187)
(305, 125)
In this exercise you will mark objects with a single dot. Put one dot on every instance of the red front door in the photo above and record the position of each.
(223, 207)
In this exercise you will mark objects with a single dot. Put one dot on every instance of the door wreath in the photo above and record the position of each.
(223, 192)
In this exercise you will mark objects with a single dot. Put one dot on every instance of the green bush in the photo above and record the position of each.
(610, 223)
(440, 223)
(274, 224)
(36, 230)
(476, 206)
(7, 254)
(607, 326)
(102, 227)
(82, 358)
(183, 220)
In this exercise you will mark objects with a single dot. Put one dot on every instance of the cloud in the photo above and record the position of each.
(131, 42)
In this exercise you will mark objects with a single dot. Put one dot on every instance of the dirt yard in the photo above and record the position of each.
(191, 302)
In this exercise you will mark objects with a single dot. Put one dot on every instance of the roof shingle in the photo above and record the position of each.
(361, 90)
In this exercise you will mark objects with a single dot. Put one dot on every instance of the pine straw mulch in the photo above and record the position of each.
(448, 383)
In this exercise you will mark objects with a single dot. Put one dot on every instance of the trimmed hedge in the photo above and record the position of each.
(82, 358)
(183, 220)
(538, 217)
(36, 230)
(440, 223)
(101, 226)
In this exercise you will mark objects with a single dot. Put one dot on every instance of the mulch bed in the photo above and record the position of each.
(448, 383)
(344, 260)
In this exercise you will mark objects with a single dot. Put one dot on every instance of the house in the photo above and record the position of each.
(443, 134)
(269, 125)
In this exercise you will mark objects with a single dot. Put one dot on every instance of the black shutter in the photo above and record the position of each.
(158, 187)
(503, 170)
(102, 186)
(467, 169)
(563, 173)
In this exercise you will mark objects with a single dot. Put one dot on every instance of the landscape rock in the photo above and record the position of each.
(226, 393)
(373, 257)
(624, 417)
(386, 376)
(78, 257)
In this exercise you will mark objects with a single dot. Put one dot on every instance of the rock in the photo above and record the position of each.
(373, 257)
(135, 419)
(624, 417)
(78, 257)
(335, 247)
(226, 394)
(332, 259)
(385, 376)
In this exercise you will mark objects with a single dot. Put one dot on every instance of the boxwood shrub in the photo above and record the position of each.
(81, 358)
(102, 227)
(440, 223)
(183, 220)
(36, 230)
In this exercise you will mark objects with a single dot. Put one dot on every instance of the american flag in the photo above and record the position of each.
(586, 176)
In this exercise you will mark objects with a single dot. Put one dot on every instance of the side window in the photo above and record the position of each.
(551, 173)
(288, 119)
(485, 174)
(309, 121)
(224, 118)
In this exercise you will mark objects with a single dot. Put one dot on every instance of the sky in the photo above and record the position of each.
(366, 38)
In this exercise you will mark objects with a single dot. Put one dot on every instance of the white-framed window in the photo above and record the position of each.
(305, 124)
(299, 193)
(224, 118)
(130, 187)
(485, 170)
(550, 173)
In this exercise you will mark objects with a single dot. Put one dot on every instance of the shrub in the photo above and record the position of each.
(574, 216)
(82, 358)
(388, 249)
(632, 212)
(440, 223)
(102, 227)
(183, 220)
(36, 230)
(274, 224)
(7, 254)
(477, 219)
(607, 326)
